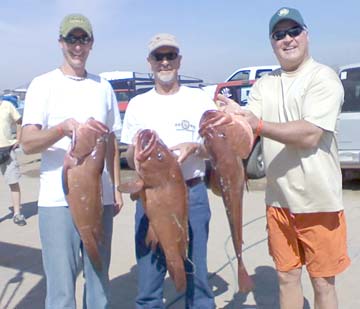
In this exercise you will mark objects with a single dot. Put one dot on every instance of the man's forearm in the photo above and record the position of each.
(35, 140)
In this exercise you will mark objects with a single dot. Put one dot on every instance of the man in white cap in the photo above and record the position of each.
(174, 112)
(56, 103)
(294, 110)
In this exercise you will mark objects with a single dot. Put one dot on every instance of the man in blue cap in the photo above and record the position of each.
(294, 109)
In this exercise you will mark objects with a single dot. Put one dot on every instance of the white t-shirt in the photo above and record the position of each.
(52, 98)
(174, 117)
(303, 180)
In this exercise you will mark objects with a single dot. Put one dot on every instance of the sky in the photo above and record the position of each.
(216, 37)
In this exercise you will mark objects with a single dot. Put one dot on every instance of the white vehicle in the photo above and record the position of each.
(251, 73)
(348, 125)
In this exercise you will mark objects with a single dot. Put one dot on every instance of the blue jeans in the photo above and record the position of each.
(62, 261)
(152, 266)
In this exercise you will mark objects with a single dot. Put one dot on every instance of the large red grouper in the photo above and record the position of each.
(163, 192)
(228, 139)
(83, 166)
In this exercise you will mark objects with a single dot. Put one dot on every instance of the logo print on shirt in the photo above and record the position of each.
(185, 125)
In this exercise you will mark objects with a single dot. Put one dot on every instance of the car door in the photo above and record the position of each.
(349, 119)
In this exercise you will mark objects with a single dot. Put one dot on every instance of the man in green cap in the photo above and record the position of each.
(294, 110)
(56, 103)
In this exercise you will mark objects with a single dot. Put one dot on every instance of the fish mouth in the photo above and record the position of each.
(212, 119)
(146, 143)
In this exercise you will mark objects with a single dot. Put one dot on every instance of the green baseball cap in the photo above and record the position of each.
(283, 14)
(75, 21)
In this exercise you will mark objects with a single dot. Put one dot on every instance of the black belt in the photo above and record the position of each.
(193, 181)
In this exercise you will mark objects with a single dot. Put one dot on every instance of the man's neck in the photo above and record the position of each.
(70, 71)
(167, 89)
(292, 67)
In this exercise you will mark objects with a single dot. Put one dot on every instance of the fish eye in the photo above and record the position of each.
(160, 156)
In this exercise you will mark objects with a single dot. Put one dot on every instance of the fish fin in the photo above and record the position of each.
(151, 239)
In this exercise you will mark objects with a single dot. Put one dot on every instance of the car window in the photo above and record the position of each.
(350, 79)
(260, 73)
(241, 75)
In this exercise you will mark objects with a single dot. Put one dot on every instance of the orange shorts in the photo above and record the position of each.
(317, 240)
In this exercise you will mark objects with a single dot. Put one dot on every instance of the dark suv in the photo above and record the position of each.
(238, 90)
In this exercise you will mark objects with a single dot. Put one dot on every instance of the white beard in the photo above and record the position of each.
(166, 77)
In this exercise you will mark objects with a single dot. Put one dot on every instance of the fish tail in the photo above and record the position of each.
(246, 284)
(91, 246)
(177, 273)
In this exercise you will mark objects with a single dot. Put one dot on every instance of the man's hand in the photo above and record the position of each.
(231, 107)
(68, 126)
(184, 150)
(227, 105)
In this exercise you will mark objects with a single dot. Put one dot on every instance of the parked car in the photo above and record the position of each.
(348, 126)
(239, 90)
(251, 73)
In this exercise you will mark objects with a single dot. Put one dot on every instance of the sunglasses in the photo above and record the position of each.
(72, 39)
(161, 56)
(292, 32)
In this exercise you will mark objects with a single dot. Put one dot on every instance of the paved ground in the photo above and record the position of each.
(22, 282)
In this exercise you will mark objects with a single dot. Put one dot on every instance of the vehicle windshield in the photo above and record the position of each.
(350, 79)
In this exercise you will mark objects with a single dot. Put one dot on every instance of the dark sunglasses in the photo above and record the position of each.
(292, 32)
(161, 56)
(72, 39)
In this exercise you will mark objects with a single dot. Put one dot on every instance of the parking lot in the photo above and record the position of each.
(22, 282)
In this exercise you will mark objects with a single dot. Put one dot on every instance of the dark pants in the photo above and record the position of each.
(152, 266)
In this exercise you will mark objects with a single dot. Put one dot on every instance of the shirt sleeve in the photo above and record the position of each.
(323, 100)
(131, 124)
(35, 103)
(114, 121)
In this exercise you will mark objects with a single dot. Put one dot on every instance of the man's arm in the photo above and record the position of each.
(299, 133)
(34, 139)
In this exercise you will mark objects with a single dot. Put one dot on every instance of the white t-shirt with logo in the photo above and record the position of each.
(174, 117)
(52, 98)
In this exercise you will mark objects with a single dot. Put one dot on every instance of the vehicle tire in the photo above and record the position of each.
(254, 165)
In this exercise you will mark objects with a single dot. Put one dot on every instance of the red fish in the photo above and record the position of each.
(163, 192)
(228, 139)
(83, 166)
